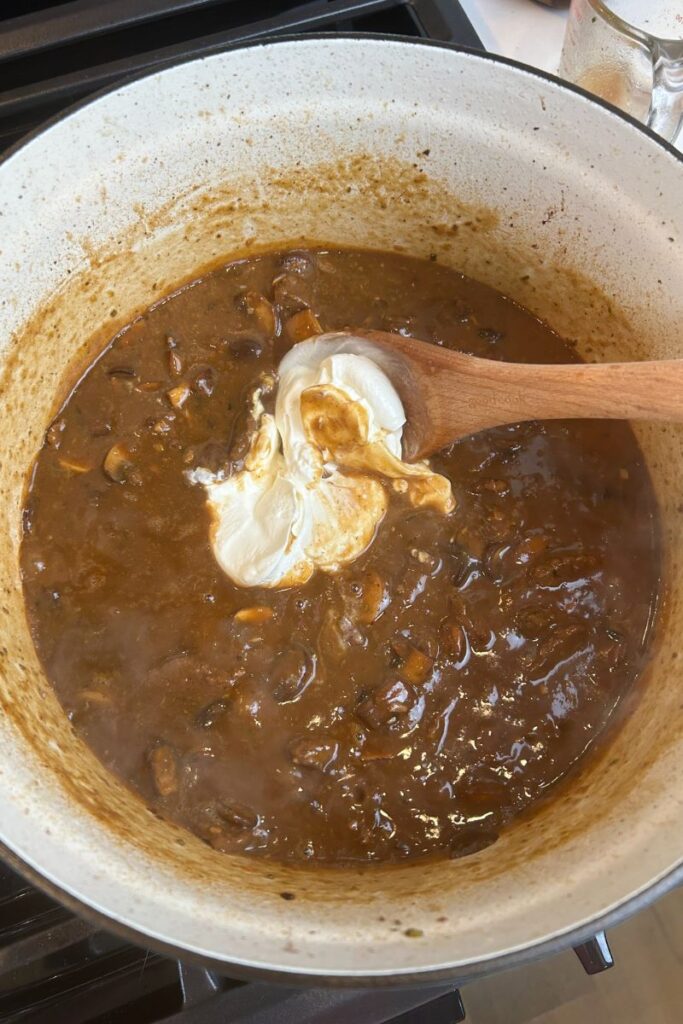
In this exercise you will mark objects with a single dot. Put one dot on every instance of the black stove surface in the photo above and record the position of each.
(54, 967)
(54, 52)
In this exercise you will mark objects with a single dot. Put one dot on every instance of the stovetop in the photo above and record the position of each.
(62, 50)
(55, 967)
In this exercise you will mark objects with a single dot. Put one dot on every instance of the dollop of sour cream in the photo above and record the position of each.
(310, 495)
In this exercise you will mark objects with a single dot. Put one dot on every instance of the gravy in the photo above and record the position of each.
(411, 704)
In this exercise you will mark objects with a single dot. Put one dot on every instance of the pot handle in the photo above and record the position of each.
(595, 955)
(666, 107)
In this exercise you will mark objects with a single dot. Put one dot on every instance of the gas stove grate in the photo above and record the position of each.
(62, 51)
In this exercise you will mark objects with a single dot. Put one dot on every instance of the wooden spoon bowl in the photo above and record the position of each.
(449, 395)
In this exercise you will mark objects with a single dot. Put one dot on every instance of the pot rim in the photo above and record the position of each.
(416, 977)
(302, 37)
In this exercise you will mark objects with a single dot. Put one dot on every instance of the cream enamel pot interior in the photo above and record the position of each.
(519, 181)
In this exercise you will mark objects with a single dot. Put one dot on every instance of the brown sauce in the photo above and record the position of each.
(413, 703)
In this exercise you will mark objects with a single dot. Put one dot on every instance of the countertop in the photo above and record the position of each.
(521, 29)
(526, 31)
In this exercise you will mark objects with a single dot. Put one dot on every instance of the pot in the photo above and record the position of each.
(507, 174)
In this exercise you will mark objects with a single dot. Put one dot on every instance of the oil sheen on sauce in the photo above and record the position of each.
(412, 703)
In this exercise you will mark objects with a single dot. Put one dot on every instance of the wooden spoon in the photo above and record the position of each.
(448, 395)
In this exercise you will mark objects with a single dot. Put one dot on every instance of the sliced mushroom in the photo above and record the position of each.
(374, 599)
(74, 465)
(175, 363)
(261, 309)
(497, 487)
(458, 563)
(164, 768)
(379, 747)
(479, 634)
(338, 633)
(498, 560)
(117, 463)
(302, 325)
(237, 816)
(204, 381)
(312, 752)
(416, 666)
(212, 713)
(392, 699)
(564, 567)
(178, 395)
(529, 549)
(558, 646)
(255, 615)
(213, 456)
(291, 293)
(453, 640)
(245, 348)
(292, 672)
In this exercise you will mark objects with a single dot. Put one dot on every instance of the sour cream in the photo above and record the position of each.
(311, 494)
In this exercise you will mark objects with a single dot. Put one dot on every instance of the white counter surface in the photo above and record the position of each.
(521, 29)
(524, 30)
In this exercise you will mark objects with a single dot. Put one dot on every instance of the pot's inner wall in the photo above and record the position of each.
(127, 213)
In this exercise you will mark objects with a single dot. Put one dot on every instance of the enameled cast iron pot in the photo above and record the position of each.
(498, 170)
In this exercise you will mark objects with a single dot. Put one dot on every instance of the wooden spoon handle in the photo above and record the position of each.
(463, 395)
(518, 391)
(449, 395)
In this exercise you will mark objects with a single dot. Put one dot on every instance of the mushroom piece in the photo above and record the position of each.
(175, 363)
(312, 752)
(117, 463)
(74, 466)
(292, 672)
(204, 381)
(392, 699)
(261, 309)
(255, 615)
(416, 666)
(302, 325)
(237, 816)
(162, 762)
(374, 598)
(244, 348)
(178, 395)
